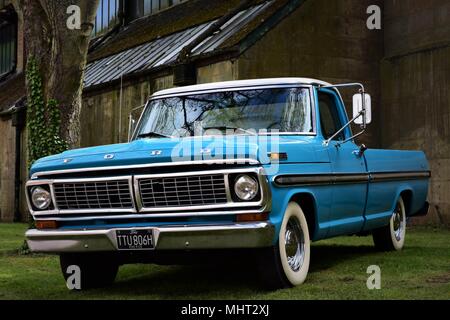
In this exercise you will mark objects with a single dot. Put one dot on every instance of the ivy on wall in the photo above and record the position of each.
(43, 118)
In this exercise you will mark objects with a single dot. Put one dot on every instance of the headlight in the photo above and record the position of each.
(245, 187)
(40, 198)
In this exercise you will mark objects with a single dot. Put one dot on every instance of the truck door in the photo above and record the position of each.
(349, 178)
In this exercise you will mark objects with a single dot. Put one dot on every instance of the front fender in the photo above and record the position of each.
(281, 196)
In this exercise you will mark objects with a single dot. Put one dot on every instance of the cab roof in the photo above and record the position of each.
(219, 86)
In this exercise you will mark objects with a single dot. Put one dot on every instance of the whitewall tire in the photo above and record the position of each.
(287, 263)
(392, 236)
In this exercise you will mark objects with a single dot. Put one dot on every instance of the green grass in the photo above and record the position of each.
(11, 237)
(338, 271)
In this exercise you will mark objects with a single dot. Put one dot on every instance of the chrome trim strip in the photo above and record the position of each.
(236, 235)
(231, 88)
(264, 204)
(395, 176)
(157, 215)
(227, 188)
(31, 183)
(346, 178)
(50, 182)
(287, 86)
(230, 204)
(149, 165)
(319, 179)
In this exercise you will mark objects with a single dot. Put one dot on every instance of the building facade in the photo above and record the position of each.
(141, 46)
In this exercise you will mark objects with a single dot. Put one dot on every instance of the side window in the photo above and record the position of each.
(329, 117)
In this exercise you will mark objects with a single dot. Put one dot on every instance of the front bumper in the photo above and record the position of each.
(230, 236)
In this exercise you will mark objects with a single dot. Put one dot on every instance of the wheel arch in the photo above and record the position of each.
(407, 196)
(307, 203)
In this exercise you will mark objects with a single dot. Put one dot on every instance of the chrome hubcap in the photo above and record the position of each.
(398, 224)
(294, 244)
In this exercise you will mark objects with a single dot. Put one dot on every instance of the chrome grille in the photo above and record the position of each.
(111, 194)
(183, 191)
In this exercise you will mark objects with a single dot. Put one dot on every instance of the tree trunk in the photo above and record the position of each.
(60, 53)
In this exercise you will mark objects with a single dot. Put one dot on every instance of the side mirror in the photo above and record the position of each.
(358, 107)
(131, 126)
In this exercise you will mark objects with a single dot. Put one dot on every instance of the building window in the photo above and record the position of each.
(8, 41)
(108, 12)
(138, 8)
(107, 16)
(153, 6)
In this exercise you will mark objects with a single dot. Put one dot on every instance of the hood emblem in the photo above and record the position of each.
(108, 156)
(156, 152)
(67, 160)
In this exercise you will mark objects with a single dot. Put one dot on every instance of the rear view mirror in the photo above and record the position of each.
(358, 107)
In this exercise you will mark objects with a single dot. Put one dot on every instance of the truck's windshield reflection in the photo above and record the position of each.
(242, 112)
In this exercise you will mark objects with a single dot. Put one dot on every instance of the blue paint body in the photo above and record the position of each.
(338, 209)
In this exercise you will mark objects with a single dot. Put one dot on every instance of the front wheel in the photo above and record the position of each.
(95, 271)
(287, 263)
(392, 236)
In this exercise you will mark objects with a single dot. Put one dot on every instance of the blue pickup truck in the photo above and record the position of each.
(265, 165)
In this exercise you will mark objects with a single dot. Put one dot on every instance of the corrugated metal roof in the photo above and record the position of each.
(165, 50)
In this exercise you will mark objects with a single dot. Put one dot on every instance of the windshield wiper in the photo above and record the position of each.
(224, 128)
(152, 134)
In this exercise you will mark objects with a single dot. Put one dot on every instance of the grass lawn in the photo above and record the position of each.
(338, 271)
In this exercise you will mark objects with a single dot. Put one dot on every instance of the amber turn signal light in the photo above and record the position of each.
(252, 217)
(47, 224)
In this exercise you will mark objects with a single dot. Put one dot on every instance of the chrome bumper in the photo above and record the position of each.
(242, 235)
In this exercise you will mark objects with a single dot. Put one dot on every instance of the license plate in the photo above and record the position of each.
(135, 239)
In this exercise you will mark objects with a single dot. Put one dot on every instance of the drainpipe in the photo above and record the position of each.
(18, 123)
(184, 70)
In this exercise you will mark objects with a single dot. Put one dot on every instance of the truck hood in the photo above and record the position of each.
(148, 151)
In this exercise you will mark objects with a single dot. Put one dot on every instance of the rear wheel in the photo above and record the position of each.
(96, 271)
(287, 264)
(392, 236)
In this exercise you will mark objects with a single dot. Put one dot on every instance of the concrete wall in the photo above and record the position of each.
(7, 149)
(415, 90)
(7, 172)
(101, 109)
(99, 125)
(414, 25)
(7, 167)
(221, 71)
(406, 68)
(324, 39)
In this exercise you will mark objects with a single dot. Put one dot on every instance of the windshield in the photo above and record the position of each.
(281, 110)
